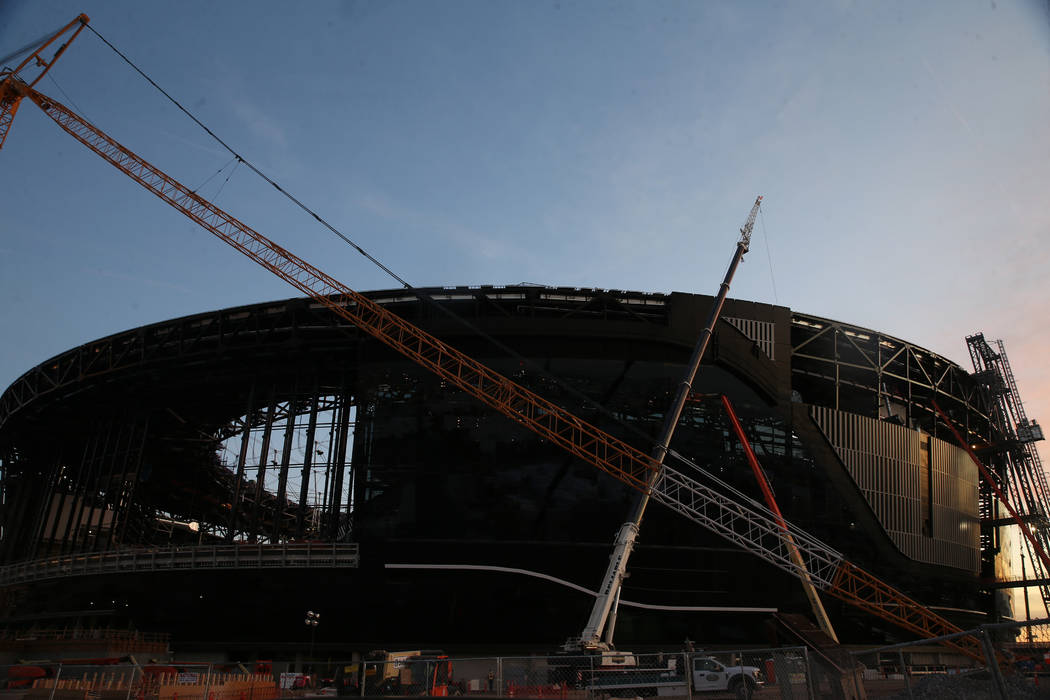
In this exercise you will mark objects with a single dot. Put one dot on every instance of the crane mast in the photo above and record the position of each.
(715, 505)
(598, 632)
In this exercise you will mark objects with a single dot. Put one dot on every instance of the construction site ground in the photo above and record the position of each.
(925, 688)
(977, 687)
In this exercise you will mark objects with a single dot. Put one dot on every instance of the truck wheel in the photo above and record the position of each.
(742, 689)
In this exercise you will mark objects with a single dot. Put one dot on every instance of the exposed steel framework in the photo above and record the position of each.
(990, 478)
(1022, 476)
(222, 557)
(874, 374)
(720, 508)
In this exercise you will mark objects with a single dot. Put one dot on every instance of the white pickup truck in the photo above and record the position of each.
(710, 675)
(630, 679)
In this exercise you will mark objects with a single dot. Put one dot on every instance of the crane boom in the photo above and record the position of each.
(549, 420)
(598, 631)
(720, 508)
(767, 494)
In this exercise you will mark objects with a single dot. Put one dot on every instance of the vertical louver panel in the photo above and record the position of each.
(761, 332)
(936, 523)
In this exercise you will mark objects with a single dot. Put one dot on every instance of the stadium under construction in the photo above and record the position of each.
(214, 477)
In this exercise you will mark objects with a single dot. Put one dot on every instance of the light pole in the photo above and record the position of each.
(313, 619)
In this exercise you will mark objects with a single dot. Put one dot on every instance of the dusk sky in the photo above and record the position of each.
(902, 150)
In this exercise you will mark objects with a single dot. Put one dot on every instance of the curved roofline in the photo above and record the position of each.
(106, 354)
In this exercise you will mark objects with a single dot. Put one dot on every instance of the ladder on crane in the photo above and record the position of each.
(1016, 456)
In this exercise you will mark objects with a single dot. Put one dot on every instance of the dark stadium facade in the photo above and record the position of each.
(215, 476)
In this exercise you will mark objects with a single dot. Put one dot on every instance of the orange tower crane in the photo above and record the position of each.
(11, 84)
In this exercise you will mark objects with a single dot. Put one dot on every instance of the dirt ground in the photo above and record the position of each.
(979, 687)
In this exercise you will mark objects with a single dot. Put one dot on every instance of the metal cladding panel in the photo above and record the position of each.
(762, 332)
(935, 525)
(955, 494)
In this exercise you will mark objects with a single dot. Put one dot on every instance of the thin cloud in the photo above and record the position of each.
(259, 123)
(951, 105)
(149, 281)
(211, 150)
(475, 243)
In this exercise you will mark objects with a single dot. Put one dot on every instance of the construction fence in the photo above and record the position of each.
(777, 673)
(1015, 664)
(791, 673)
(120, 681)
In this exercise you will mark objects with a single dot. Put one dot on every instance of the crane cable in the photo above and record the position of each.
(769, 257)
(587, 401)
(31, 46)
(248, 163)
(66, 95)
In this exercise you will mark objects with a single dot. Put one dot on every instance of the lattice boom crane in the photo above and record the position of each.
(720, 508)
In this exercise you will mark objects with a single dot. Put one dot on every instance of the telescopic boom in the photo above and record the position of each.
(603, 613)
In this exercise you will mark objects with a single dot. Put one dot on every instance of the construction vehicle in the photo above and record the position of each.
(624, 675)
(423, 672)
(712, 503)
(598, 632)
(705, 674)
(603, 611)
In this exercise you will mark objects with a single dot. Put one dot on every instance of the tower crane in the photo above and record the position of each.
(11, 84)
(716, 506)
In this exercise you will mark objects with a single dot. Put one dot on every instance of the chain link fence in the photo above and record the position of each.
(772, 673)
(92, 680)
(1015, 665)
(791, 673)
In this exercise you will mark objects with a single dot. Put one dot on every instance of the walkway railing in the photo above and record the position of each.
(225, 556)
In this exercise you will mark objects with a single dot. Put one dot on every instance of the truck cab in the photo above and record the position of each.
(711, 675)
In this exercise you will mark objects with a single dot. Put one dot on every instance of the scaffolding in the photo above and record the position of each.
(1016, 462)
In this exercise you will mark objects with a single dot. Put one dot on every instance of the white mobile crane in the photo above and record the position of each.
(598, 632)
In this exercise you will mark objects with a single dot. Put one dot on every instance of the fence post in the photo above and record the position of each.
(364, 673)
(207, 683)
(687, 673)
(499, 676)
(131, 682)
(54, 686)
(904, 672)
(811, 692)
(993, 662)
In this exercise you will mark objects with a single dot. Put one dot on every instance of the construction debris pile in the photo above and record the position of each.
(977, 686)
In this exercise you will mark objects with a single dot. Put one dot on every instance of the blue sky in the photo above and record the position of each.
(901, 147)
